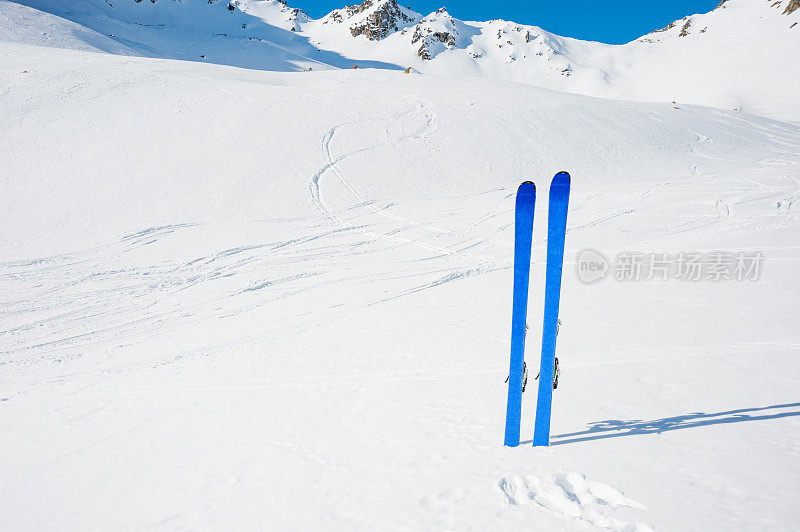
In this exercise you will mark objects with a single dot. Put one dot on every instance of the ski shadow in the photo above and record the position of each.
(613, 428)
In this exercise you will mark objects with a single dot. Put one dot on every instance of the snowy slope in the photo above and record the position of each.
(695, 60)
(236, 299)
(723, 59)
(22, 24)
(440, 43)
(197, 30)
(738, 56)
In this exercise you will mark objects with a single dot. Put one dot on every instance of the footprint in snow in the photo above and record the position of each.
(569, 493)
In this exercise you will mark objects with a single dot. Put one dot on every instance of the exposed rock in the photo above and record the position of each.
(444, 37)
(441, 36)
(294, 16)
(791, 7)
(665, 28)
(685, 29)
(339, 15)
(360, 8)
(387, 18)
(437, 31)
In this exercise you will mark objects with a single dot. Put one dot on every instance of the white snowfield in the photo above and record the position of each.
(742, 55)
(235, 298)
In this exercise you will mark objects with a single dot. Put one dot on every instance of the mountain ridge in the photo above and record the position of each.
(696, 59)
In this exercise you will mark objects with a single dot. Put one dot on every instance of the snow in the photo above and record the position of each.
(703, 65)
(732, 58)
(239, 298)
(21, 24)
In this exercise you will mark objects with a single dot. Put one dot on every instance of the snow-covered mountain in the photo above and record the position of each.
(374, 20)
(698, 59)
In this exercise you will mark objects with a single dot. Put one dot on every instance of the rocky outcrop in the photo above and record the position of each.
(436, 32)
(388, 17)
(665, 28)
(684, 29)
(791, 7)
(442, 36)
(424, 51)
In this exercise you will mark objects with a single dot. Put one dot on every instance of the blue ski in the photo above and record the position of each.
(556, 231)
(523, 235)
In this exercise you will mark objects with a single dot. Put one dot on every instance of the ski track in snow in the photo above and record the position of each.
(419, 109)
(140, 286)
(332, 165)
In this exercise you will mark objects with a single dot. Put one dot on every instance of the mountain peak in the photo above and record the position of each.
(437, 32)
(375, 19)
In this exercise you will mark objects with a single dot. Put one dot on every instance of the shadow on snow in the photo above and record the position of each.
(203, 32)
(613, 428)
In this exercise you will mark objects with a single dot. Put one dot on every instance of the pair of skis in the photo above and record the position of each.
(523, 239)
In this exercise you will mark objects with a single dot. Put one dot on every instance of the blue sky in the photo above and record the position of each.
(610, 21)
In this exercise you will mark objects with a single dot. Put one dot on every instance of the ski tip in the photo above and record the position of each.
(561, 179)
(527, 187)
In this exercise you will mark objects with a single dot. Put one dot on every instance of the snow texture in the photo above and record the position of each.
(247, 298)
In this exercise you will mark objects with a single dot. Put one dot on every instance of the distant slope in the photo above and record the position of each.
(439, 43)
(201, 30)
(741, 55)
(22, 24)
